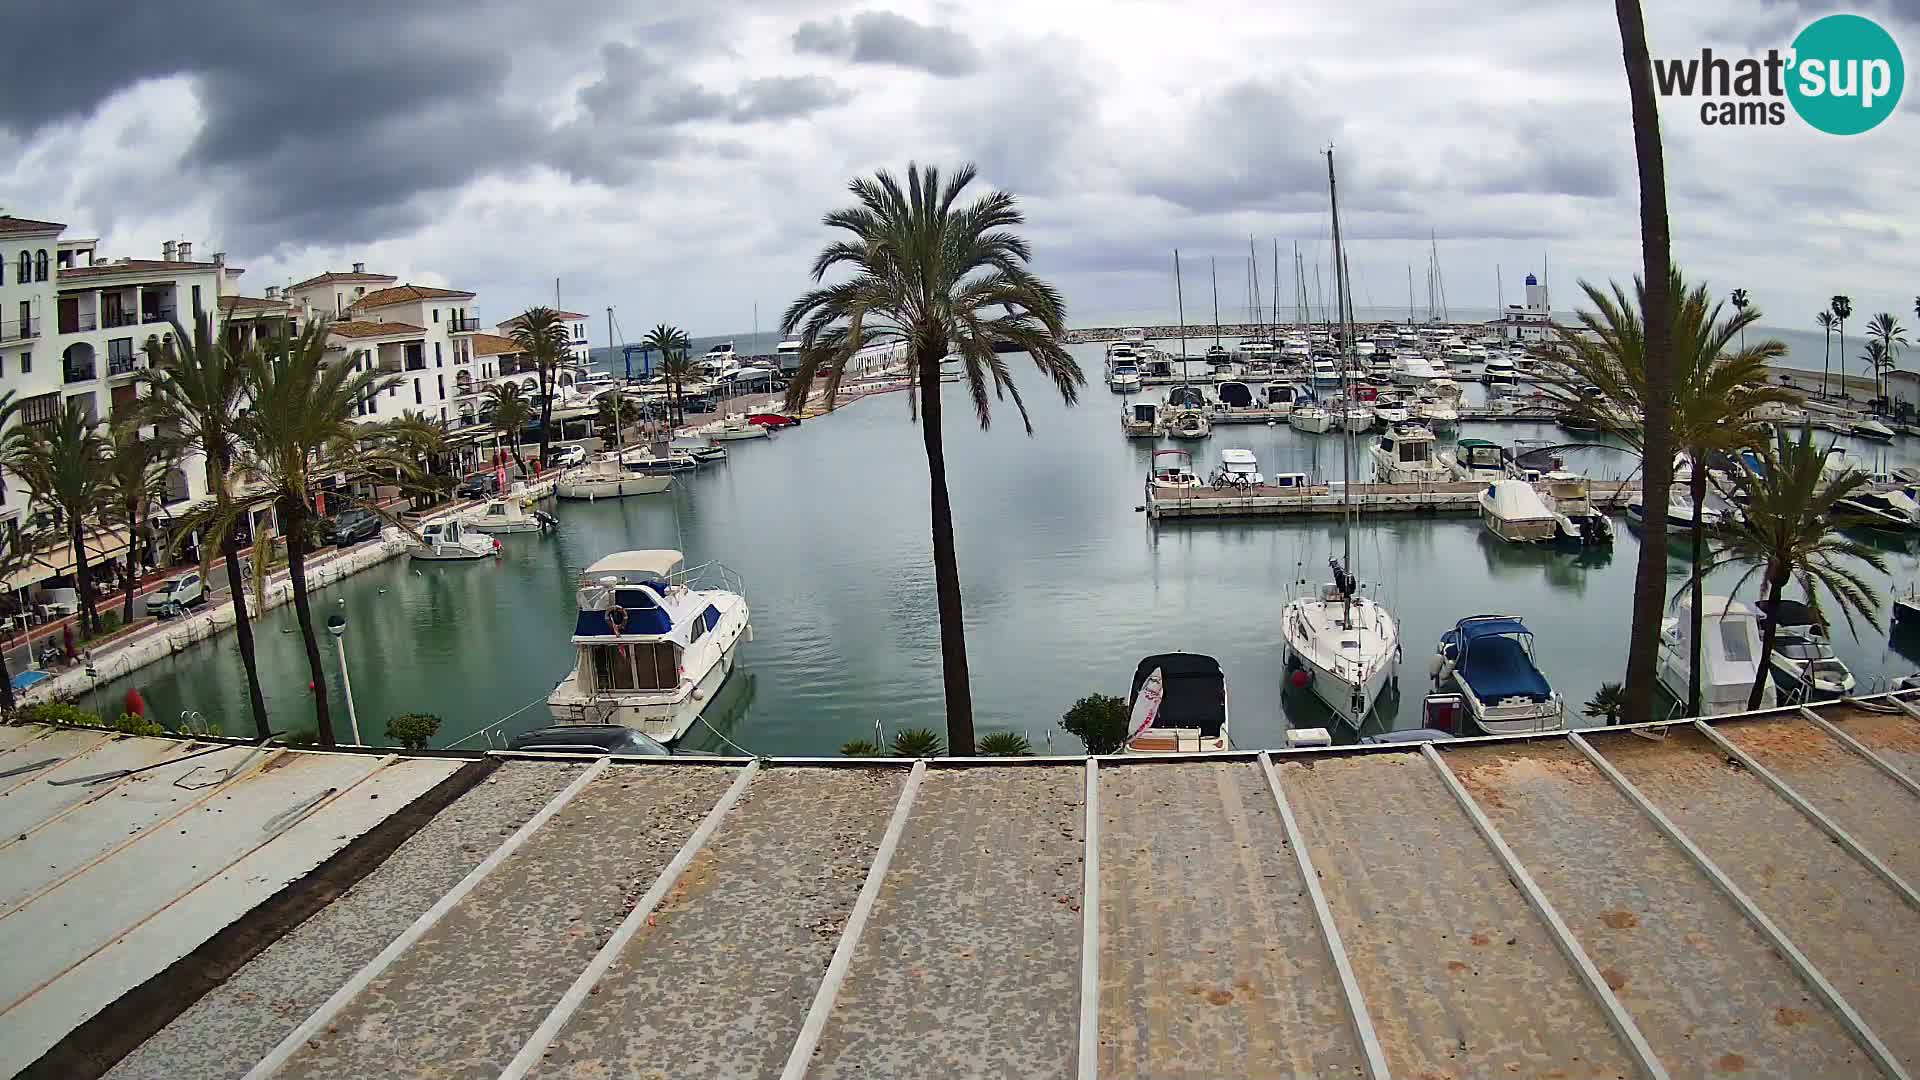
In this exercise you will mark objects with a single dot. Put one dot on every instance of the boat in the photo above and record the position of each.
(1325, 372)
(1499, 371)
(1173, 471)
(698, 449)
(1890, 510)
(1437, 413)
(1868, 428)
(1679, 512)
(1489, 660)
(786, 355)
(640, 459)
(1124, 378)
(1234, 394)
(508, 515)
(1730, 655)
(1404, 455)
(1476, 459)
(1280, 398)
(1576, 522)
(1340, 644)
(1412, 369)
(607, 478)
(1311, 417)
(1803, 665)
(1134, 336)
(1238, 468)
(775, 420)
(1514, 512)
(653, 643)
(449, 541)
(1189, 424)
(1177, 705)
(1906, 610)
(1187, 397)
(733, 428)
(1391, 410)
(719, 358)
(1356, 418)
(1142, 420)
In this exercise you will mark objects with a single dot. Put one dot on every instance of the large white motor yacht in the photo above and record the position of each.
(654, 643)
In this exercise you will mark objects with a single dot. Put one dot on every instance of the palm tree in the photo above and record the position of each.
(1740, 302)
(542, 335)
(424, 439)
(64, 465)
(677, 368)
(1656, 256)
(934, 277)
(19, 549)
(672, 344)
(300, 431)
(1841, 306)
(1715, 391)
(194, 395)
(512, 412)
(1790, 529)
(1874, 358)
(1886, 331)
(606, 419)
(1826, 322)
(136, 482)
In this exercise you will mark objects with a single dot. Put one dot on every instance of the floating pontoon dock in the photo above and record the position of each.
(1453, 497)
(1676, 900)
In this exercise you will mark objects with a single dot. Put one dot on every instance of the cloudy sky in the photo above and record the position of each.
(673, 159)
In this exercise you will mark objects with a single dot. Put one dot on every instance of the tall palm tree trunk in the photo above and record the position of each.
(1650, 578)
(133, 566)
(946, 565)
(83, 577)
(1699, 616)
(294, 517)
(243, 632)
(1776, 584)
(1826, 359)
(1843, 359)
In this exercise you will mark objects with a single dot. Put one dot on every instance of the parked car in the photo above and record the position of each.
(177, 596)
(353, 527)
(565, 457)
(589, 739)
(481, 485)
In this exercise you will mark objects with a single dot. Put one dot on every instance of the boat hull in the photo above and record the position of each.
(589, 489)
(751, 431)
(503, 528)
(665, 717)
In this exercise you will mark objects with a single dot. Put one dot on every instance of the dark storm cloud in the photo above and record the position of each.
(886, 37)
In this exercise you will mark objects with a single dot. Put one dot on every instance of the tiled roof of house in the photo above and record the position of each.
(493, 345)
(356, 329)
(565, 316)
(232, 304)
(402, 294)
(13, 226)
(333, 277)
(134, 266)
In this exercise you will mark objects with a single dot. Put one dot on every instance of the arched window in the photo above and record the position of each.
(26, 267)
(40, 266)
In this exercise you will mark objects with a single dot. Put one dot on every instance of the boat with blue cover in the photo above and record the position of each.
(1489, 659)
(655, 641)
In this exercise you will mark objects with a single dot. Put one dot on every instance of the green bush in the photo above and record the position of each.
(860, 748)
(301, 740)
(918, 742)
(1607, 703)
(58, 712)
(1099, 721)
(414, 730)
(134, 724)
(1004, 744)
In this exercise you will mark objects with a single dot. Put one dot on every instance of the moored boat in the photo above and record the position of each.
(733, 428)
(1489, 659)
(1514, 512)
(1172, 470)
(607, 478)
(449, 541)
(1577, 522)
(1177, 705)
(1142, 420)
(1730, 654)
(508, 515)
(1404, 455)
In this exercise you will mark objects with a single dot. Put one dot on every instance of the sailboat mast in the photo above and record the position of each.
(1180, 299)
(619, 437)
(1346, 346)
(1213, 268)
(1409, 294)
(1276, 285)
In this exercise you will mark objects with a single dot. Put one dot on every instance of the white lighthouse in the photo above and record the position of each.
(1528, 322)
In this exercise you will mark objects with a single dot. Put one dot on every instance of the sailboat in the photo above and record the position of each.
(1341, 645)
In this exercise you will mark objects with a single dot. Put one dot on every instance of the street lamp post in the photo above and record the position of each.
(337, 626)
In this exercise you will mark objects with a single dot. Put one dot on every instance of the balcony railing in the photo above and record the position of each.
(121, 365)
(19, 329)
(86, 372)
(119, 318)
(459, 325)
(77, 323)
(158, 315)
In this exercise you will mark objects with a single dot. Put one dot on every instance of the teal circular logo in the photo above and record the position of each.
(1846, 75)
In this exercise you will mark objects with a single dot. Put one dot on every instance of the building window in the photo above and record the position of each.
(441, 382)
(436, 314)
(338, 307)
(26, 267)
(436, 354)
(26, 363)
(196, 301)
(416, 391)
(40, 266)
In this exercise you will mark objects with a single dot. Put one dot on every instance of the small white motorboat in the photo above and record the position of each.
(1680, 512)
(509, 515)
(1142, 420)
(448, 541)
(1730, 655)
(1514, 512)
(1310, 417)
(1404, 455)
(1437, 413)
(1189, 424)
(734, 428)
(1238, 468)
(1124, 378)
(607, 478)
(1476, 459)
(1803, 665)
(1489, 658)
(1577, 522)
(1173, 471)
(1178, 705)
(1868, 428)
(1890, 510)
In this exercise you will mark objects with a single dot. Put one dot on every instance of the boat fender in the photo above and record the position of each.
(617, 618)
(1442, 672)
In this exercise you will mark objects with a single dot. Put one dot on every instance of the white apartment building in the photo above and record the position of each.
(28, 365)
(423, 335)
(578, 351)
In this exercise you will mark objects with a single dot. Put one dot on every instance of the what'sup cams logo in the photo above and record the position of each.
(1843, 76)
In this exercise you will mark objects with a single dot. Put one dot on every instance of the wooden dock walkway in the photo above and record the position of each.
(1452, 497)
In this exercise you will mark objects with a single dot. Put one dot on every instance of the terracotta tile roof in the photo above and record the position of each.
(565, 316)
(251, 303)
(134, 266)
(493, 345)
(11, 226)
(402, 294)
(333, 277)
(355, 329)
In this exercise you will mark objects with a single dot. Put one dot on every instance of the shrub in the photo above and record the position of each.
(414, 730)
(135, 724)
(1607, 703)
(860, 748)
(1099, 721)
(301, 740)
(1004, 744)
(918, 742)
(58, 712)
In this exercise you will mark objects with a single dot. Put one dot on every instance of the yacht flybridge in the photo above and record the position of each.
(653, 643)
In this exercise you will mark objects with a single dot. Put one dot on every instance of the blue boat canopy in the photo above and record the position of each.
(1475, 629)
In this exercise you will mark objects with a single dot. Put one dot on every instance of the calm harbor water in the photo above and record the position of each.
(1066, 587)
